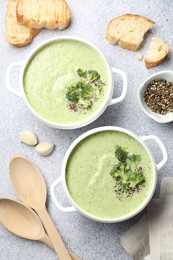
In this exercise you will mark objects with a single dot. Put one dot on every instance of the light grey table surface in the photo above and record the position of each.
(88, 239)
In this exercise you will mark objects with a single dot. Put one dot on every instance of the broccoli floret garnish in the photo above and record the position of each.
(89, 75)
(134, 179)
(88, 104)
(116, 170)
(127, 172)
(81, 73)
(72, 93)
(86, 91)
(134, 158)
(93, 75)
(124, 184)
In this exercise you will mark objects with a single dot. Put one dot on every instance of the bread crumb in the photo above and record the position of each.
(139, 55)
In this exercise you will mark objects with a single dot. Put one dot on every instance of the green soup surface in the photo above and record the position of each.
(88, 175)
(52, 70)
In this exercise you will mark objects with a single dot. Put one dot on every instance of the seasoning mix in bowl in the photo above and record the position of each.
(159, 96)
(156, 96)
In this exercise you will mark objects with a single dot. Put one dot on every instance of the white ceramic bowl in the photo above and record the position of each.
(167, 75)
(108, 101)
(62, 179)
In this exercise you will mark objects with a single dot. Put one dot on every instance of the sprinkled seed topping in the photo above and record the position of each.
(159, 96)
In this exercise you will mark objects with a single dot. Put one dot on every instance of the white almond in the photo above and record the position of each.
(28, 137)
(45, 148)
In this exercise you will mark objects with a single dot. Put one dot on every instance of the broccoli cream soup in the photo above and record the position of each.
(66, 81)
(109, 174)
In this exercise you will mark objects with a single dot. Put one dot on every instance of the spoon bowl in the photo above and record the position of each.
(27, 181)
(30, 187)
(23, 222)
(20, 220)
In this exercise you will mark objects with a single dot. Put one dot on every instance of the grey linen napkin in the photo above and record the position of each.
(136, 240)
(153, 219)
(166, 220)
(154, 232)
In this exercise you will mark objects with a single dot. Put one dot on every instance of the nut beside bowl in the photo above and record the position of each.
(165, 75)
(107, 101)
(63, 180)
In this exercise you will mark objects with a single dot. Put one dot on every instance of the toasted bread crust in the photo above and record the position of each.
(16, 34)
(115, 37)
(129, 16)
(53, 14)
(149, 63)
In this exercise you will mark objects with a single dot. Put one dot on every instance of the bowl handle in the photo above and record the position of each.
(7, 77)
(162, 147)
(52, 193)
(124, 87)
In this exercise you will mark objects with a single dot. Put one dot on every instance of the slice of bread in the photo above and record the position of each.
(51, 14)
(128, 30)
(157, 52)
(16, 34)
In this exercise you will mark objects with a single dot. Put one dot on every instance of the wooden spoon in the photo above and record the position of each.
(30, 187)
(23, 222)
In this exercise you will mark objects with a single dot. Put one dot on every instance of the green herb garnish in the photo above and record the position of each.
(82, 94)
(121, 154)
(127, 172)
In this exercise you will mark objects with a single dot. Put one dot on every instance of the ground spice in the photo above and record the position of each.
(121, 193)
(159, 96)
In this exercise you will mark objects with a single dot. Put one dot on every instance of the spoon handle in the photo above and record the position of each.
(46, 240)
(53, 234)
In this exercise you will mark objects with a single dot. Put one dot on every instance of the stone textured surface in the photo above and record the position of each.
(86, 238)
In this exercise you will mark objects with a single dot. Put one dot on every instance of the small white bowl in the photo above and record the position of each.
(166, 75)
